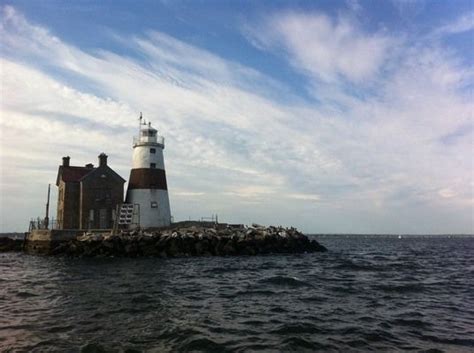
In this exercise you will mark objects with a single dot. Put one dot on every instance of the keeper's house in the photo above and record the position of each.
(88, 196)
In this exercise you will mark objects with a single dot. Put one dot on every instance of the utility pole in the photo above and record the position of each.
(46, 219)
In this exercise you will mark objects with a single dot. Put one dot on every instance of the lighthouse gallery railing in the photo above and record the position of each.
(159, 139)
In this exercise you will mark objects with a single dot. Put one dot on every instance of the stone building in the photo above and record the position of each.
(88, 196)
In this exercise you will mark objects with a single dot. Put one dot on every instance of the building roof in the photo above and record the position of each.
(72, 174)
(75, 173)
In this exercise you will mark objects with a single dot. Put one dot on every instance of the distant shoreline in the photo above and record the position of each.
(13, 235)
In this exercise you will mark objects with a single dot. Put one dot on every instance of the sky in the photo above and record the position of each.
(330, 116)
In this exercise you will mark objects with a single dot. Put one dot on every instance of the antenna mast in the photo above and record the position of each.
(140, 123)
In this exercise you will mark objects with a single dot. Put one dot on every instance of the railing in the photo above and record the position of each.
(144, 140)
(41, 223)
(212, 219)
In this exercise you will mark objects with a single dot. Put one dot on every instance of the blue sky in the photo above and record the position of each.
(332, 116)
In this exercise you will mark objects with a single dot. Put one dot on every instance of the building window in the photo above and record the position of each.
(102, 194)
(154, 204)
(152, 150)
(152, 165)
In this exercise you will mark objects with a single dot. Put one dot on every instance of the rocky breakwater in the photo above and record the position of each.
(191, 241)
(8, 244)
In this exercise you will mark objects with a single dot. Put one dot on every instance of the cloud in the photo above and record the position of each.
(325, 48)
(354, 6)
(187, 194)
(236, 144)
(464, 23)
(409, 9)
(447, 193)
(304, 197)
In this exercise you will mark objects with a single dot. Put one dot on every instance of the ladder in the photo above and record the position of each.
(127, 214)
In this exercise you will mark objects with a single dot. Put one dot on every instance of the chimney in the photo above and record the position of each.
(66, 161)
(102, 159)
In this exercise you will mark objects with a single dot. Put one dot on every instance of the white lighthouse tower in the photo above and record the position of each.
(147, 184)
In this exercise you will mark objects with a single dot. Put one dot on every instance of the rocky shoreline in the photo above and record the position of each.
(190, 241)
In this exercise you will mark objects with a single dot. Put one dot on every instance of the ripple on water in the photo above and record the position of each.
(284, 281)
(287, 329)
(25, 294)
(373, 293)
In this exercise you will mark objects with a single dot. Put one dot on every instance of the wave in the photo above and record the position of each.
(284, 281)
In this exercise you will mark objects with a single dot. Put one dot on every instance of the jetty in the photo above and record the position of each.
(182, 239)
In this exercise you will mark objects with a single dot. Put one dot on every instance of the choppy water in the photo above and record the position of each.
(372, 293)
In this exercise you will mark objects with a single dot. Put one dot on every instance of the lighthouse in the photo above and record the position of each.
(147, 188)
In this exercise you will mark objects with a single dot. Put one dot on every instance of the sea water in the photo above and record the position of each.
(367, 293)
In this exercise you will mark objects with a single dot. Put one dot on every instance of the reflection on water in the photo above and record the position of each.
(378, 293)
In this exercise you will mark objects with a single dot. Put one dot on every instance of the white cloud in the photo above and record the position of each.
(447, 193)
(304, 197)
(325, 48)
(234, 145)
(464, 23)
(186, 194)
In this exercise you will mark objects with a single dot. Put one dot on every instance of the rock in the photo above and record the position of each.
(228, 249)
(131, 249)
(108, 244)
(8, 244)
(60, 249)
(249, 250)
(173, 248)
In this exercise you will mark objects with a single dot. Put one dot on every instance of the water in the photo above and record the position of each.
(366, 293)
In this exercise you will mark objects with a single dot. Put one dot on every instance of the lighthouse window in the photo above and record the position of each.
(149, 133)
(152, 150)
(152, 165)
(154, 204)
